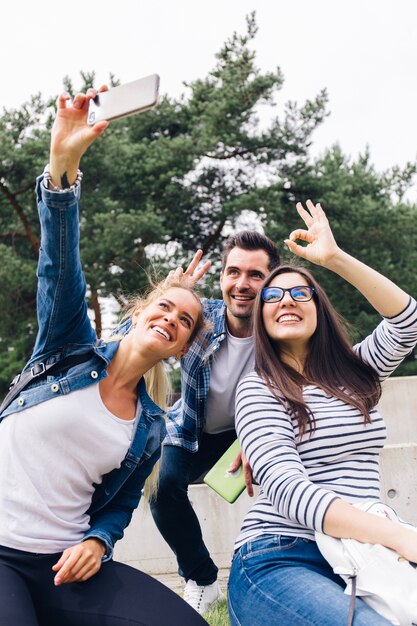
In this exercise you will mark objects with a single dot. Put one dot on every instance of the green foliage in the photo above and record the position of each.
(18, 316)
(218, 615)
(370, 220)
(160, 184)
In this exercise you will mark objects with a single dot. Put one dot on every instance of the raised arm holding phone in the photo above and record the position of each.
(78, 445)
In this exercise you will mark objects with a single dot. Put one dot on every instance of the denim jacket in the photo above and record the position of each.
(64, 330)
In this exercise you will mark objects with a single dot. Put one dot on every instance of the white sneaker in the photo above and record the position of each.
(201, 598)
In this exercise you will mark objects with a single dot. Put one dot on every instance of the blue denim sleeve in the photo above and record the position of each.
(108, 523)
(61, 306)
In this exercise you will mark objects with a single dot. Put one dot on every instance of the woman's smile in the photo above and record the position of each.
(289, 322)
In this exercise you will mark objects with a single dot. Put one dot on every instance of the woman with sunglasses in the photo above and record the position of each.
(82, 439)
(307, 422)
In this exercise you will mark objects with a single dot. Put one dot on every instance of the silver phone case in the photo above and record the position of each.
(124, 100)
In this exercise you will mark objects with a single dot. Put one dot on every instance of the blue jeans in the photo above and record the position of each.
(172, 509)
(285, 581)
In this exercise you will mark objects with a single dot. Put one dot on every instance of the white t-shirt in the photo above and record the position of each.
(233, 360)
(51, 455)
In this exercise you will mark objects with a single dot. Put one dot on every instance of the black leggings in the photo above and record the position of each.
(118, 595)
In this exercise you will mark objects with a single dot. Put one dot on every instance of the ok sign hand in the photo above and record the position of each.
(321, 245)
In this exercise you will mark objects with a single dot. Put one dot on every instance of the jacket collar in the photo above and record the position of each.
(148, 405)
(107, 350)
(220, 322)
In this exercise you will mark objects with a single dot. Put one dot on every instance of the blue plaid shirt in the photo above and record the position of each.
(188, 415)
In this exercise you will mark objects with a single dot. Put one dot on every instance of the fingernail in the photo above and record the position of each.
(77, 104)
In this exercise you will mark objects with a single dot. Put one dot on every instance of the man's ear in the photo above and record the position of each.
(221, 280)
(183, 352)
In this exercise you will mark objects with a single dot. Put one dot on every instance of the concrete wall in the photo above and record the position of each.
(399, 457)
(143, 546)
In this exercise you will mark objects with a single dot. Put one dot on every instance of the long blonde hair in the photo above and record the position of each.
(157, 380)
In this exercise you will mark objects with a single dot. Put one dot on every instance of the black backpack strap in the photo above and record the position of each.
(40, 370)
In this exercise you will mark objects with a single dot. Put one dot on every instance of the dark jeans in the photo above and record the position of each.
(117, 595)
(173, 512)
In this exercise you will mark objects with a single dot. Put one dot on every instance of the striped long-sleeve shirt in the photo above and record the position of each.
(300, 477)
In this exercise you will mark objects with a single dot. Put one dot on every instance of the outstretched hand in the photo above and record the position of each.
(71, 136)
(321, 245)
(191, 275)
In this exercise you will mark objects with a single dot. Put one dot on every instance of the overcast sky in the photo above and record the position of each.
(363, 51)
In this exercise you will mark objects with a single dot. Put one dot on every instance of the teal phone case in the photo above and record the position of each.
(228, 486)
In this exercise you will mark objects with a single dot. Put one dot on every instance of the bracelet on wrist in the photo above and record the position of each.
(50, 185)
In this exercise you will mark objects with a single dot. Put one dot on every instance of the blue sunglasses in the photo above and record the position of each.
(303, 293)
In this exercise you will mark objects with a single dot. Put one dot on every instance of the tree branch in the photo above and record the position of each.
(34, 241)
(227, 155)
(211, 240)
(24, 189)
(12, 235)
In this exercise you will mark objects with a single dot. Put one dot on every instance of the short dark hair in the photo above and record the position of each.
(251, 240)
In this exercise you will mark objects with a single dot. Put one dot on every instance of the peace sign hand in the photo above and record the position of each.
(191, 275)
(321, 245)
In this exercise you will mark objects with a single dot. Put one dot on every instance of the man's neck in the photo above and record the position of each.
(240, 327)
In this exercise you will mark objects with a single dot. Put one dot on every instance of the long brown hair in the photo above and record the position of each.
(331, 363)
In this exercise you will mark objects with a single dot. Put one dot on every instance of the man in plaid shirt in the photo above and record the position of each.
(201, 424)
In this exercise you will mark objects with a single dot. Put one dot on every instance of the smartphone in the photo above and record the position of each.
(124, 100)
(229, 485)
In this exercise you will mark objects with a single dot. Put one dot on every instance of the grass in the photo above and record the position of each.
(218, 616)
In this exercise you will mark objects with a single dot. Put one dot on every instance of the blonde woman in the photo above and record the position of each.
(78, 444)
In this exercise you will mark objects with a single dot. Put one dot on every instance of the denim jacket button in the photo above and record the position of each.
(54, 388)
(21, 401)
(94, 374)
